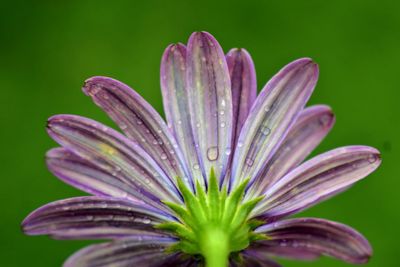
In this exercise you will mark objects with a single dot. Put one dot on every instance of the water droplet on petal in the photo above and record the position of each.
(372, 158)
(164, 156)
(228, 151)
(212, 153)
(222, 124)
(146, 221)
(265, 130)
(249, 162)
(325, 119)
(196, 166)
(139, 122)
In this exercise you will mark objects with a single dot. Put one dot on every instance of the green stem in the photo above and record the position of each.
(215, 248)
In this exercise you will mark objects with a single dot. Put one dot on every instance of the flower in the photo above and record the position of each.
(214, 185)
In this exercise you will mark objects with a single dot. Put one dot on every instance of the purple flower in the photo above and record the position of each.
(214, 185)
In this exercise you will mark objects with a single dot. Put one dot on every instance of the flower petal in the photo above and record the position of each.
(140, 122)
(275, 110)
(309, 130)
(315, 236)
(99, 144)
(176, 105)
(210, 102)
(144, 251)
(317, 179)
(93, 218)
(244, 87)
(255, 259)
(88, 177)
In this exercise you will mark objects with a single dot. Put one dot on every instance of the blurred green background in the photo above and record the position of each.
(48, 48)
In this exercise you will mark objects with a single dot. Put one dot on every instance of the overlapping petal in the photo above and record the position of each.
(273, 113)
(100, 144)
(210, 102)
(318, 179)
(254, 259)
(176, 105)
(93, 217)
(309, 130)
(310, 237)
(139, 121)
(244, 88)
(146, 251)
(88, 177)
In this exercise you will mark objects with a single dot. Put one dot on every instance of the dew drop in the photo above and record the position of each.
(239, 144)
(164, 156)
(89, 217)
(266, 109)
(222, 124)
(249, 162)
(212, 153)
(123, 126)
(139, 122)
(372, 158)
(325, 119)
(196, 166)
(179, 122)
(146, 221)
(198, 125)
(228, 151)
(265, 130)
(222, 112)
(103, 205)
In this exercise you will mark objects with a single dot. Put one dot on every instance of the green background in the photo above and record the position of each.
(48, 48)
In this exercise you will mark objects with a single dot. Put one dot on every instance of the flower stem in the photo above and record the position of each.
(215, 248)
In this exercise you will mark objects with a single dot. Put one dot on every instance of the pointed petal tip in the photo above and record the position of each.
(90, 85)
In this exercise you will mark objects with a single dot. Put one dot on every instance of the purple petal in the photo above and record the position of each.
(94, 179)
(273, 113)
(139, 121)
(134, 251)
(104, 147)
(290, 238)
(210, 102)
(317, 179)
(255, 259)
(309, 130)
(93, 218)
(176, 104)
(244, 87)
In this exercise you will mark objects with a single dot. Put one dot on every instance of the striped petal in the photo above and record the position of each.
(244, 87)
(88, 177)
(93, 218)
(254, 259)
(273, 113)
(318, 179)
(291, 238)
(309, 130)
(139, 121)
(176, 105)
(210, 102)
(104, 147)
(143, 251)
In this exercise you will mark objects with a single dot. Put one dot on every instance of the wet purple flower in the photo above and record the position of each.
(214, 185)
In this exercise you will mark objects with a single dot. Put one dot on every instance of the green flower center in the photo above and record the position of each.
(214, 224)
